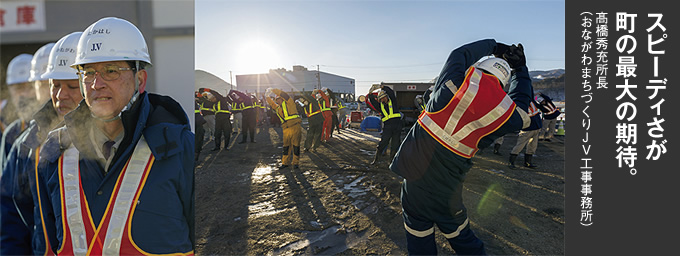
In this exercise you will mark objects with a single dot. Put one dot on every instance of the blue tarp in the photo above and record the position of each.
(371, 123)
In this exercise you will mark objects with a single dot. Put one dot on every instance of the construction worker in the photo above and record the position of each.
(290, 123)
(236, 112)
(222, 118)
(549, 117)
(315, 120)
(324, 101)
(26, 183)
(208, 112)
(342, 114)
(436, 154)
(121, 169)
(247, 108)
(23, 98)
(528, 137)
(386, 104)
(419, 103)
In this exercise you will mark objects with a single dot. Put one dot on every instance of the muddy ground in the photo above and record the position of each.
(337, 203)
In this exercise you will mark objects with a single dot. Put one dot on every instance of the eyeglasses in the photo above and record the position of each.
(109, 73)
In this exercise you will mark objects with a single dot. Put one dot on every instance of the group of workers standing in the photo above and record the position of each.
(321, 106)
(94, 164)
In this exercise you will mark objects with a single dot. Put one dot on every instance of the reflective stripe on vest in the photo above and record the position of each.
(197, 111)
(309, 112)
(220, 110)
(113, 235)
(286, 117)
(391, 114)
(533, 110)
(323, 106)
(48, 247)
(235, 106)
(340, 105)
(550, 108)
(206, 109)
(457, 127)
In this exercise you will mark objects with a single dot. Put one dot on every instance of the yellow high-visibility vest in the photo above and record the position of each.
(391, 114)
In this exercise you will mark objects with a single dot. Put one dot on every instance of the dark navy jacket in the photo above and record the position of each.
(25, 185)
(421, 158)
(163, 220)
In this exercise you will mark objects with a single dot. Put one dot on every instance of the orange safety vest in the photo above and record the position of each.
(113, 235)
(533, 110)
(477, 109)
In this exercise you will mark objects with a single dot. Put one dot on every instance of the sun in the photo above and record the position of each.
(256, 57)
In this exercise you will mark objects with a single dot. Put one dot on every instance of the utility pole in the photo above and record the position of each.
(318, 77)
(231, 81)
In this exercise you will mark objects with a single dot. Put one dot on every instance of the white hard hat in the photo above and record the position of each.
(19, 69)
(382, 94)
(63, 54)
(497, 67)
(111, 39)
(39, 62)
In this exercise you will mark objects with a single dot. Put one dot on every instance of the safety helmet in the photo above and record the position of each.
(39, 62)
(19, 69)
(111, 39)
(63, 54)
(497, 67)
(382, 94)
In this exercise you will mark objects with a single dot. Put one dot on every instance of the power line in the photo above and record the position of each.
(385, 67)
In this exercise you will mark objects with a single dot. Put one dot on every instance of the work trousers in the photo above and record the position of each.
(327, 125)
(528, 139)
(314, 131)
(209, 125)
(391, 135)
(292, 134)
(342, 117)
(248, 126)
(421, 211)
(335, 120)
(548, 130)
(222, 126)
(238, 120)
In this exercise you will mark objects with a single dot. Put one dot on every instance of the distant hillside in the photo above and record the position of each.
(544, 74)
(549, 82)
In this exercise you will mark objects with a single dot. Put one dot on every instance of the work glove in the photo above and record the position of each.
(501, 49)
(515, 56)
(268, 92)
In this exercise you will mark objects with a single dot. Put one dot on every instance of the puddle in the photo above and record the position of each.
(261, 174)
(329, 241)
(263, 209)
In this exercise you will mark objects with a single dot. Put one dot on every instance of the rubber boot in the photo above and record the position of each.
(527, 161)
(376, 158)
(512, 161)
(496, 147)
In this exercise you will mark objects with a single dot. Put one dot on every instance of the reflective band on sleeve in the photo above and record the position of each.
(451, 86)
(457, 232)
(526, 120)
(71, 190)
(126, 194)
(419, 233)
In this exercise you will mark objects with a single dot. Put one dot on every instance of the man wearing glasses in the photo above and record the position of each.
(121, 170)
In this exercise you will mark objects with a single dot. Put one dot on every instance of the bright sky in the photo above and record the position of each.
(369, 41)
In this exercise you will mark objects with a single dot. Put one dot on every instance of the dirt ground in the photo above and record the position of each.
(337, 203)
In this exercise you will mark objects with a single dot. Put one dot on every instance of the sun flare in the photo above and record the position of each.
(256, 57)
